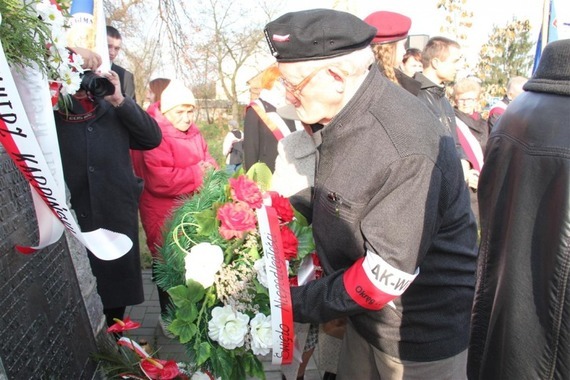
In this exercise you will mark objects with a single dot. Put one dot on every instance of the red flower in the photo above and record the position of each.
(237, 218)
(159, 369)
(290, 243)
(282, 206)
(317, 264)
(245, 190)
(293, 281)
(123, 325)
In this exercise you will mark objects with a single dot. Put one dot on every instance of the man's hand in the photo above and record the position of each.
(117, 98)
(91, 60)
(473, 179)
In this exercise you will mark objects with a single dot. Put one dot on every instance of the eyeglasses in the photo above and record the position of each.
(467, 100)
(296, 89)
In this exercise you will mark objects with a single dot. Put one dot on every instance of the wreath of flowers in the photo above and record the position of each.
(214, 271)
(35, 33)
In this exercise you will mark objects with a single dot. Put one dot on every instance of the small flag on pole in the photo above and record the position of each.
(549, 27)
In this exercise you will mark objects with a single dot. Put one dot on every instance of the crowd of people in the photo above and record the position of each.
(443, 236)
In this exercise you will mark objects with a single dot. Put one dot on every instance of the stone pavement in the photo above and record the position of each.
(147, 314)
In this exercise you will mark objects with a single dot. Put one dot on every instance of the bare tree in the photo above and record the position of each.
(458, 19)
(141, 35)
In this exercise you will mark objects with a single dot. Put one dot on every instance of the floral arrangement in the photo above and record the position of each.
(34, 32)
(130, 360)
(215, 273)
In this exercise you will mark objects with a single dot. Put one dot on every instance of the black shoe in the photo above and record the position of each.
(329, 376)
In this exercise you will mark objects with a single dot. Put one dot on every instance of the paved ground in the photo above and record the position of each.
(147, 313)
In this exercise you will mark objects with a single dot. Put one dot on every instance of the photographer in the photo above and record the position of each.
(95, 131)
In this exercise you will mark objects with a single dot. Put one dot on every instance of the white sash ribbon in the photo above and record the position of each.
(278, 284)
(35, 152)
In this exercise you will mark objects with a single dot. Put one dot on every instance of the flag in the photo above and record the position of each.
(551, 31)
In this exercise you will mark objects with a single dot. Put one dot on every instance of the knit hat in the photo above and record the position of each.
(553, 72)
(176, 94)
(390, 26)
(316, 34)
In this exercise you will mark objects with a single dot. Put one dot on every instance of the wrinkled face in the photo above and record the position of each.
(181, 116)
(447, 68)
(466, 102)
(316, 93)
(114, 46)
(412, 66)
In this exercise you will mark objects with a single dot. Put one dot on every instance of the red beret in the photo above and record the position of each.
(390, 26)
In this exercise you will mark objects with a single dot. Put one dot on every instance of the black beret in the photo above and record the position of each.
(316, 34)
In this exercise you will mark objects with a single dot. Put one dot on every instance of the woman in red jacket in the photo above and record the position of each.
(172, 170)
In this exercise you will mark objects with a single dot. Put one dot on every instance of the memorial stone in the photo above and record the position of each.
(46, 331)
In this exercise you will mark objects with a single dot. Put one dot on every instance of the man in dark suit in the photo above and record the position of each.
(114, 41)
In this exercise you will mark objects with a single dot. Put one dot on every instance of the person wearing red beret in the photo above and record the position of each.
(389, 48)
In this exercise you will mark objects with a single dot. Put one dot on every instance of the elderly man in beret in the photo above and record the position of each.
(391, 213)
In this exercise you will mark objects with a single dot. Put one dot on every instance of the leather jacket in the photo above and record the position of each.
(521, 314)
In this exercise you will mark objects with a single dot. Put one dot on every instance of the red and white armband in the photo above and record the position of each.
(372, 283)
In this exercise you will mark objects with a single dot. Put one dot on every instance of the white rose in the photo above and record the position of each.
(261, 339)
(261, 271)
(203, 262)
(228, 327)
(202, 376)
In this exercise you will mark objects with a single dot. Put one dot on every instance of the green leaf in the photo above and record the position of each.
(261, 174)
(222, 363)
(187, 312)
(253, 366)
(305, 238)
(207, 222)
(203, 352)
(192, 292)
(300, 217)
(185, 330)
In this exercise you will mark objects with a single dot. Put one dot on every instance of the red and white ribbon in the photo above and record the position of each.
(278, 283)
(35, 152)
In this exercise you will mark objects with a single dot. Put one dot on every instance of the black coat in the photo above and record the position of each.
(259, 143)
(127, 81)
(521, 315)
(104, 190)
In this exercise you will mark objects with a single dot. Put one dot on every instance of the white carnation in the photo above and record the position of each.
(227, 327)
(203, 262)
(261, 271)
(261, 339)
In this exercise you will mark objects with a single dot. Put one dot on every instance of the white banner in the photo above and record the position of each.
(41, 165)
(278, 284)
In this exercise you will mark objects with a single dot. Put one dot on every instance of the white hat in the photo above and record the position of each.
(176, 94)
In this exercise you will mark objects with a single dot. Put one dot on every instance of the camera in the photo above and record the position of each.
(97, 85)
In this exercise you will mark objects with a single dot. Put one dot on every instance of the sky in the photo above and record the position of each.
(426, 18)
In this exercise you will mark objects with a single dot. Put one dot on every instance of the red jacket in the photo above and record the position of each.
(170, 171)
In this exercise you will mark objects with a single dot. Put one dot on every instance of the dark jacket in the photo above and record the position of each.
(433, 96)
(127, 81)
(104, 190)
(521, 314)
(478, 128)
(388, 186)
(259, 143)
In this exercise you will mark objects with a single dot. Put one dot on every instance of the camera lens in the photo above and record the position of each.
(97, 85)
